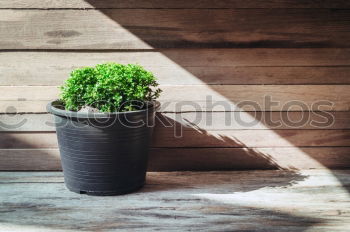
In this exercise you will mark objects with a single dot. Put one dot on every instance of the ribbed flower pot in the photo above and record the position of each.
(104, 154)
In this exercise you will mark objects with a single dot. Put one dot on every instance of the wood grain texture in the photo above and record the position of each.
(55, 74)
(167, 137)
(178, 28)
(286, 201)
(289, 54)
(248, 158)
(219, 58)
(188, 67)
(251, 138)
(195, 4)
(204, 98)
(209, 121)
(174, 159)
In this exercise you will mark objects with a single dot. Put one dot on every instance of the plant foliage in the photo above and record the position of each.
(109, 87)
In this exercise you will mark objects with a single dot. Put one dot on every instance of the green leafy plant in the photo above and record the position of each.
(109, 87)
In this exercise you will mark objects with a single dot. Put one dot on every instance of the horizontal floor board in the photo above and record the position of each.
(194, 28)
(284, 201)
(87, 4)
(204, 120)
(165, 159)
(204, 98)
(191, 137)
(210, 179)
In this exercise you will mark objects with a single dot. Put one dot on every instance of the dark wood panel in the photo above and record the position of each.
(182, 28)
(246, 158)
(88, 4)
(251, 138)
(164, 159)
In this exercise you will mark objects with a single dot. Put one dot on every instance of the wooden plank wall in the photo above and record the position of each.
(227, 51)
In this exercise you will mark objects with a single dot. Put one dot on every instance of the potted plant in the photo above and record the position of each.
(104, 120)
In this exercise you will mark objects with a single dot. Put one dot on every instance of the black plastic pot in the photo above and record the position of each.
(104, 154)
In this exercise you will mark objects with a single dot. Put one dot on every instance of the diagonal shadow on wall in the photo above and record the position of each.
(167, 37)
(161, 30)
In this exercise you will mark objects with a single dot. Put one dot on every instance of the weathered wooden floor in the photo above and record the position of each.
(313, 200)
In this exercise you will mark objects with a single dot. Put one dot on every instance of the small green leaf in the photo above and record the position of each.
(109, 87)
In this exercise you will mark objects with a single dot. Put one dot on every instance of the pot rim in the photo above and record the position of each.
(73, 114)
